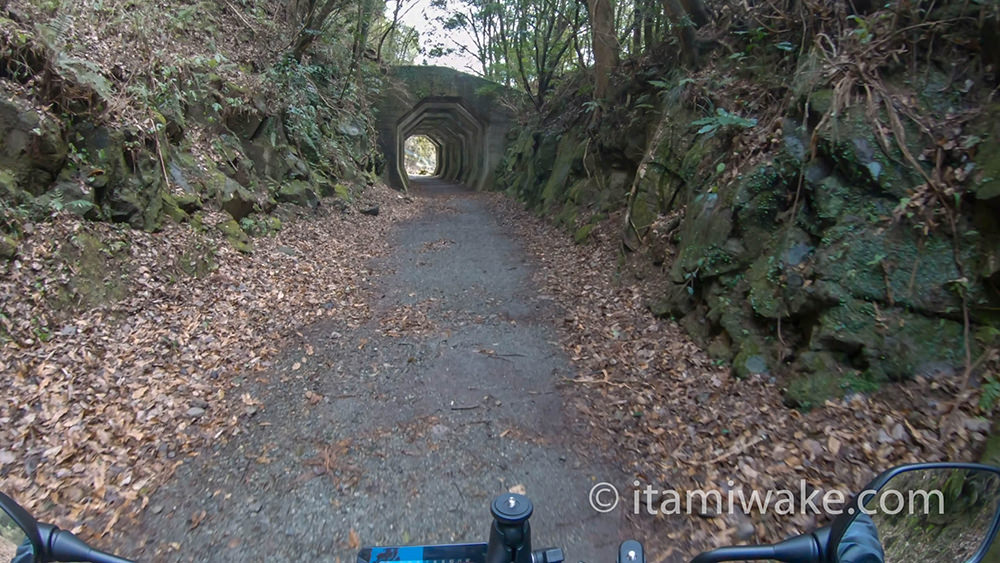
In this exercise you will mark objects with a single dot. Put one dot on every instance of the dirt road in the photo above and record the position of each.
(400, 431)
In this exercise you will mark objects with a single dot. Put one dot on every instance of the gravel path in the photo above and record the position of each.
(401, 431)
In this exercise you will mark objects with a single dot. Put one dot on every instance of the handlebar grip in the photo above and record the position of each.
(550, 555)
(63, 545)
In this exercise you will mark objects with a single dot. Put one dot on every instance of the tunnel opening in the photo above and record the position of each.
(460, 114)
(420, 156)
(457, 134)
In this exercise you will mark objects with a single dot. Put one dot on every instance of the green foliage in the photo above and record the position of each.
(810, 391)
(260, 225)
(401, 46)
(315, 118)
(523, 43)
(723, 119)
(343, 192)
(200, 13)
(990, 394)
(863, 31)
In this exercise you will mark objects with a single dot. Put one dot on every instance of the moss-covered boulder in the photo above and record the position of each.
(230, 195)
(10, 190)
(184, 172)
(86, 88)
(138, 197)
(876, 261)
(299, 193)
(235, 235)
(8, 247)
(824, 379)
(99, 275)
(172, 209)
(752, 359)
(33, 149)
(890, 342)
(703, 238)
(189, 203)
(267, 147)
(778, 278)
(569, 153)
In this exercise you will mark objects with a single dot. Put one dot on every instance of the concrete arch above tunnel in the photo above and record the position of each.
(460, 113)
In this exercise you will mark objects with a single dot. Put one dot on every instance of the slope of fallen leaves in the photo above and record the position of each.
(676, 420)
(102, 404)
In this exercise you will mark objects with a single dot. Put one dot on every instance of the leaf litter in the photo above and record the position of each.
(675, 420)
(104, 402)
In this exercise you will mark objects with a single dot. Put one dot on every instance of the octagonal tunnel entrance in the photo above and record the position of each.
(455, 132)
(461, 115)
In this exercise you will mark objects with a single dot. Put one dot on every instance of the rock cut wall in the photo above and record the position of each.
(809, 265)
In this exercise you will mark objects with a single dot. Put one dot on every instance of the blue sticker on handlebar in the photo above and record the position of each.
(462, 553)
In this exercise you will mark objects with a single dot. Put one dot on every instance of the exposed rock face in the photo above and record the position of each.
(143, 175)
(299, 193)
(800, 267)
(33, 148)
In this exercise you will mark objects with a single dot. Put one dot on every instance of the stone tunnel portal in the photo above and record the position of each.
(458, 112)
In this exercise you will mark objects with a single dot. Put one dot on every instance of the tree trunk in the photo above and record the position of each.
(683, 27)
(638, 22)
(602, 22)
(312, 26)
(389, 30)
(696, 9)
(651, 33)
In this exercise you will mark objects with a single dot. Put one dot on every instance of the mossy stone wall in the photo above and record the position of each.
(800, 267)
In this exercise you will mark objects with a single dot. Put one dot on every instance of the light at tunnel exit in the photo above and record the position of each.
(421, 156)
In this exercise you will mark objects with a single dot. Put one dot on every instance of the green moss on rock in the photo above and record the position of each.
(298, 192)
(987, 185)
(172, 209)
(877, 263)
(33, 148)
(583, 233)
(569, 151)
(8, 247)
(235, 235)
(751, 359)
(890, 342)
(704, 233)
(343, 192)
(98, 277)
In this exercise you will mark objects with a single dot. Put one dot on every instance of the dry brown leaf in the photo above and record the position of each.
(197, 518)
(353, 540)
(833, 445)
